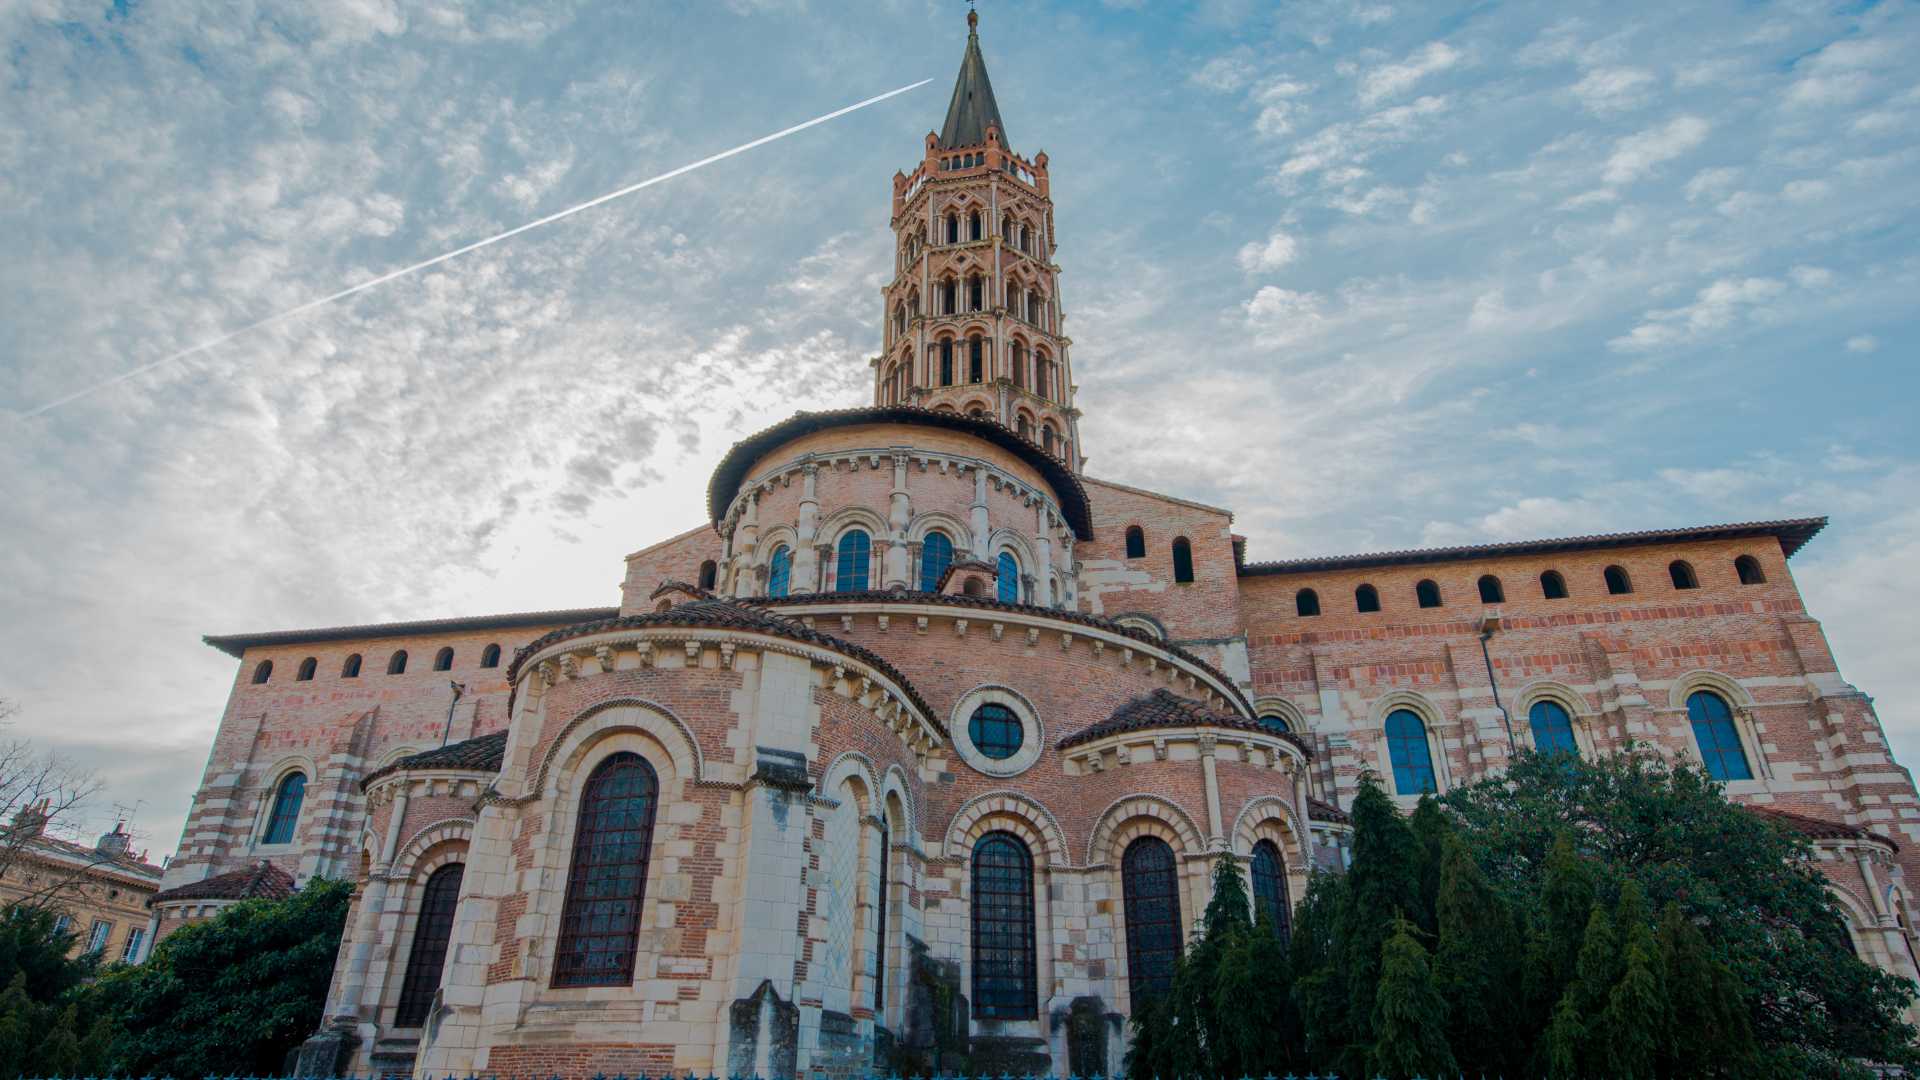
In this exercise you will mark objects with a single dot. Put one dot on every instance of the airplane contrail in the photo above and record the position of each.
(457, 252)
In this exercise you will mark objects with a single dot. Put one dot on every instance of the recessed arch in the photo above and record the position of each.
(1013, 811)
(262, 671)
(1306, 604)
(1127, 808)
(1748, 570)
(1427, 593)
(1366, 599)
(307, 669)
(1136, 542)
(599, 722)
(443, 660)
(1553, 586)
(1491, 591)
(1618, 583)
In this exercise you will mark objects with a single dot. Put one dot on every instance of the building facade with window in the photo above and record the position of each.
(924, 713)
(98, 894)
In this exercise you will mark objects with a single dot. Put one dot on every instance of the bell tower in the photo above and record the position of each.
(972, 315)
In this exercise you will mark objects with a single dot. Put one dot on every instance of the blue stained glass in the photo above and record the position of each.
(1719, 740)
(850, 575)
(1552, 729)
(780, 571)
(1407, 749)
(936, 554)
(1007, 578)
(286, 809)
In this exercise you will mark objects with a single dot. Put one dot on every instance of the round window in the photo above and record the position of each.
(996, 732)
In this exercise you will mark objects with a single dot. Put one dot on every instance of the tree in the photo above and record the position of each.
(1476, 965)
(1706, 1031)
(38, 1035)
(1635, 1018)
(1409, 1017)
(1383, 886)
(230, 995)
(39, 791)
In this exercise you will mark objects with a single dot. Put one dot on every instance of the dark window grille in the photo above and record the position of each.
(1004, 982)
(1719, 740)
(1412, 758)
(850, 575)
(286, 809)
(1136, 542)
(1552, 728)
(1270, 888)
(996, 731)
(936, 554)
(880, 928)
(600, 922)
(431, 932)
(1182, 560)
(1151, 888)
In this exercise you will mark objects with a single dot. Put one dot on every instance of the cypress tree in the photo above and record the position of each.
(1566, 900)
(1636, 1016)
(1596, 972)
(1383, 886)
(1706, 1030)
(1431, 827)
(1475, 965)
(1143, 1060)
(1319, 985)
(1409, 1016)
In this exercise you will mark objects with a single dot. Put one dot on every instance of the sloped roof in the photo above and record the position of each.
(1165, 709)
(732, 470)
(972, 107)
(1327, 812)
(263, 880)
(483, 753)
(1793, 534)
(236, 644)
(1820, 828)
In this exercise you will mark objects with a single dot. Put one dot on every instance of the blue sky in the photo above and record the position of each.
(1373, 274)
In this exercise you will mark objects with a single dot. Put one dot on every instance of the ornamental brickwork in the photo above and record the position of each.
(887, 730)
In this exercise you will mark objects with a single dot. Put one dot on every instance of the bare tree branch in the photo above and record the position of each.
(39, 792)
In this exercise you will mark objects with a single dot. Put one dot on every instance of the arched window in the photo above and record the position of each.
(1270, 888)
(1749, 570)
(607, 882)
(1306, 603)
(780, 571)
(976, 358)
(973, 226)
(1019, 364)
(899, 319)
(949, 296)
(1617, 581)
(1682, 574)
(1275, 723)
(1719, 739)
(1136, 542)
(709, 573)
(307, 668)
(936, 554)
(995, 731)
(262, 671)
(1026, 239)
(1366, 598)
(1491, 591)
(1150, 886)
(1407, 749)
(351, 669)
(443, 660)
(1182, 559)
(1553, 586)
(1047, 437)
(490, 656)
(1427, 593)
(1043, 375)
(1006, 227)
(1552, 729)
(1024, 426)
(285, 815)
(850, 573)
(1006, 578)
(431, 932)
(1004, 980)
(953, 228)
(946, 361)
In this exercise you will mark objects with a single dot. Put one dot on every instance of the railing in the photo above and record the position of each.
(816, 1074)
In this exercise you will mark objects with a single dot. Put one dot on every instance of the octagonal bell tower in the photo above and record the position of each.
(972, 315)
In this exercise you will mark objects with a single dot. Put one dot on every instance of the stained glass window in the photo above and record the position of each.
(431, 932)
(780, 571)
(286, 809)
(996, 731)
(1007, 578)
(607, 882)
(1552, 728)
(1407, 749)
(1004, 981)
(1270, 887)
(1151, 886)
(1719, 739)
(936, 554)
(850, 575)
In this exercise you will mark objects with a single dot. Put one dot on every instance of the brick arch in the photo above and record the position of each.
(1274, 705)
(928, 520)
(1128, 808)
(597, 722)
(1261, 810)
(425, 839)
(1014, 812)
(1705, 679)
(845, 517)
(985, 406)
(894, 782)
(852, 765)
(1004, 537)
(1550, 690)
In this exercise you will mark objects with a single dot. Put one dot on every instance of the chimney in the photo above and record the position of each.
(115, 844)
(32, 819)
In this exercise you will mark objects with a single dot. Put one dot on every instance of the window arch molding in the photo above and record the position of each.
(1431, 719)
(1275, 820)
(940, 521)
(650, 730)
(834, 525)
(1284, 709)
(270, 791)
(1140, 620)
(1559, 693)
(1129, 817)
(1033, 734)
(1005, 810)
(1740, 703)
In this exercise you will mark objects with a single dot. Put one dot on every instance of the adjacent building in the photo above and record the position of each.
(928, 734)
(98, 893)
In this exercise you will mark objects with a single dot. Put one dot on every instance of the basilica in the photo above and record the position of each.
(920, 749)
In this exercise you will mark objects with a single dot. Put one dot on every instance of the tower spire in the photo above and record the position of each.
(972, 108)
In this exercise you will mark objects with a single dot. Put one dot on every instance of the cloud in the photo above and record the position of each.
(1390, 80)
(1279, 250)
(1223, 74)
(1715, 308)
(1614, 90)
(1863, 343)
(1637, 155)
(1283, 317)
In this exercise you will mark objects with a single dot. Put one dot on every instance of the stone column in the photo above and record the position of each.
(1216, 839)
(1043, 592)
(979, 514)
(746, 537)
(899, 516)
(805, 575)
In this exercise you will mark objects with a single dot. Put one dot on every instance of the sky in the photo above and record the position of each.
(1374, 275)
